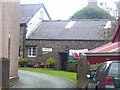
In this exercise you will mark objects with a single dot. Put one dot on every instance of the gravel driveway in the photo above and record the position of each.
(38, 80)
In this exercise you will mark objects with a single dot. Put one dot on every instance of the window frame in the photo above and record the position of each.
(30, 51)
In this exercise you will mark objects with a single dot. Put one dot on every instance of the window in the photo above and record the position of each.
(19, 51)
(100, 71)
(114, 70)
(32, 51)
(101, 3)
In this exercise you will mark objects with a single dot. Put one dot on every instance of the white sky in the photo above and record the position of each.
(62, 9)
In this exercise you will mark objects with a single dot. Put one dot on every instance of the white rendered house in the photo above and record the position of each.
(32, 15)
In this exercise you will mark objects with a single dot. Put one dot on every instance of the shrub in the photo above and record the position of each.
(36, 61)
(33, 63)
(72, 67)
(95, 65)
(22, 62)
(51, 62)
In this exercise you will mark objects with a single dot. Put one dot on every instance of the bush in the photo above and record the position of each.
(22, 62)
(33, 63)
(51, 62)
(95, 65)
(72, 67)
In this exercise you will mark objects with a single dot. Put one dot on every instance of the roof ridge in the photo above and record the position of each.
(57, 20)
(32, 4)
(76, 20)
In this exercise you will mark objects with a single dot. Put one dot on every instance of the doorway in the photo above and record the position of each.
(63, 60)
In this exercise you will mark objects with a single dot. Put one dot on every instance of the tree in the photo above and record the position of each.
(107, 33)
(91, 12)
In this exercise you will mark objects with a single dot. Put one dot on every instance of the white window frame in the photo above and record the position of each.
(31, 51)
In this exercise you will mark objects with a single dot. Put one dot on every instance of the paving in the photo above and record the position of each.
(38, 80)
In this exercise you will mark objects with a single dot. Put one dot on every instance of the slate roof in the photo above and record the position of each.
(81, 30)
(27, 11)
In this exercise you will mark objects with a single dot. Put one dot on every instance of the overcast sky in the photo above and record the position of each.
(60, 9)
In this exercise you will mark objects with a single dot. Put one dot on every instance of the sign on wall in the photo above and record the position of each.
(47, 49)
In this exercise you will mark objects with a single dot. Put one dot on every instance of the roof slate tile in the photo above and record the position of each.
(81, 30)
(27, 11)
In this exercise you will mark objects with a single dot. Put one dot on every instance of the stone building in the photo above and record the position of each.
(31, 16)
(92, 2)
(22, 39)
(54, 39)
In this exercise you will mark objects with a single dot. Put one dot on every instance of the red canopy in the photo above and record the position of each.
(110, 47)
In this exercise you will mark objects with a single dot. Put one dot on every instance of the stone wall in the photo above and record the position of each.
(22, 39)
(58, 46)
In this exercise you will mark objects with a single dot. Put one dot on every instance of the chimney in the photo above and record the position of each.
(92, 2)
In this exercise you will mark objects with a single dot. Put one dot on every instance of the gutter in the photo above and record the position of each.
(104, 54)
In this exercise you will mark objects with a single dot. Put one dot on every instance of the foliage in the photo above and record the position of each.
(108, 32)
(36, 61)
(91, 12)
(69, 75)
(51, 62)
(22, 62)
(33, 63)
(72, 67)
(95, 65)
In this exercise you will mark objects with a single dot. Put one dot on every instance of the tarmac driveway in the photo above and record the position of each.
(38, 80)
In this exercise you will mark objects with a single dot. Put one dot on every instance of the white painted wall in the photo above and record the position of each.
(35, 21)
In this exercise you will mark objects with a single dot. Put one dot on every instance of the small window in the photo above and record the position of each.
(19, 51)
(101, 3)
(32, 51)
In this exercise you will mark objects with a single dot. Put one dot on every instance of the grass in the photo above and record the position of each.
(68, 75)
